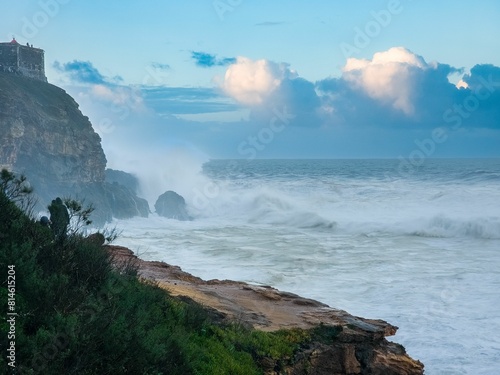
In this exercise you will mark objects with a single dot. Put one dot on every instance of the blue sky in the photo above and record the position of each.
(407, 79)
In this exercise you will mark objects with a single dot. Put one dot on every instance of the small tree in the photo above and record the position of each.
(18, 190)
(79, 218)
(79, 215)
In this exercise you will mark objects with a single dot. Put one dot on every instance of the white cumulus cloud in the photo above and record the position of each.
(388, 77)
(250, 82)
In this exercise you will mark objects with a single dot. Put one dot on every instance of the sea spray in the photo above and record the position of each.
(172, 168)
(419, 251)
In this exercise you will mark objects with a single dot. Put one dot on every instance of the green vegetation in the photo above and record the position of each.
(79, 314)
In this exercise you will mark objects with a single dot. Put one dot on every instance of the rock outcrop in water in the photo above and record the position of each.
(124, 203)
(172, 205)
(44, 136)
(355, 346)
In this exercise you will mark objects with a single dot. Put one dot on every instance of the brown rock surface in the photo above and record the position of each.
(360, 347)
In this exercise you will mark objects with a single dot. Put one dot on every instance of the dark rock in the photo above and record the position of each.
(97, 239)
(172, 205)
(44, 220)
(59, 217)
(368, 357)
(123, 178)
(124, 203)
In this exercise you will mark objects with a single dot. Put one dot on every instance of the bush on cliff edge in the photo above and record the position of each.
(77, 314)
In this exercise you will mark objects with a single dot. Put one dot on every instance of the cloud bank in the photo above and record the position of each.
(395, 88)
(388, 105)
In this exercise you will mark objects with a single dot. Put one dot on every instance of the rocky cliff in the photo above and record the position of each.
(350, 345)
(44, 135)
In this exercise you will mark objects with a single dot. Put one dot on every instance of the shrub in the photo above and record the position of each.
(80, 315)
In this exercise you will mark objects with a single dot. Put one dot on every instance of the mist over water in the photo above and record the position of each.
(176, 168)
(420, 250)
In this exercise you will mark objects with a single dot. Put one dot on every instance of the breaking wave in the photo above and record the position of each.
(442, 226)
(353, 234)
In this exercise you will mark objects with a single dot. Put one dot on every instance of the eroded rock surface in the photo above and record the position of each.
(124, 203)
(360, 347)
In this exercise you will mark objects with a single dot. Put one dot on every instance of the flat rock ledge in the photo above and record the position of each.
(360, 348)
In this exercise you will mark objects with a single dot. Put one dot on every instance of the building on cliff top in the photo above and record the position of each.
(22, 60)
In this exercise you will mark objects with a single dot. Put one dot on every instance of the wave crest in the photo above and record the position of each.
(442, 226)
(271, 209)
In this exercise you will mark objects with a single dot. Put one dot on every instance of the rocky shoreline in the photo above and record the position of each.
(360, 347)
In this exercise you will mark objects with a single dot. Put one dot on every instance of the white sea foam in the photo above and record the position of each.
(421, 252)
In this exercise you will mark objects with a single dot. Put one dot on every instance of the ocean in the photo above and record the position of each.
(417, 246)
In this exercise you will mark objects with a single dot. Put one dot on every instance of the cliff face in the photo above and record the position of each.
(44, 135)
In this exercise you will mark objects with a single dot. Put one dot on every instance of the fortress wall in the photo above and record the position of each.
(31, 63)
(8, 57)
(24, 60)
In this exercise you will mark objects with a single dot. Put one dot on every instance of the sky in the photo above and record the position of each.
(407, 79)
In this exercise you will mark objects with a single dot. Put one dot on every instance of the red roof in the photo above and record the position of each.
(14, 41)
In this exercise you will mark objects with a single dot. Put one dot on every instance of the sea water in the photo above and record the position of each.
(417, 246)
